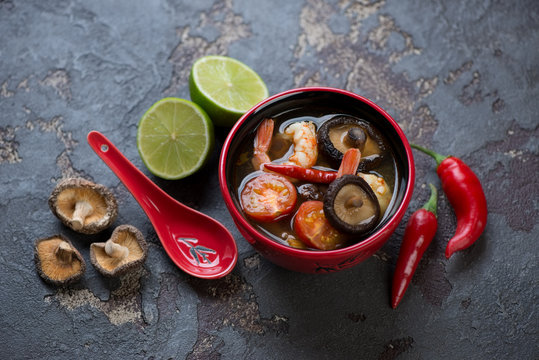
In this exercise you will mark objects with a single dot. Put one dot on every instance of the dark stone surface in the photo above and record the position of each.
(461, 77)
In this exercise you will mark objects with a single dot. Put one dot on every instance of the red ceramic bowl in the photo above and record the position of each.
(308, 101)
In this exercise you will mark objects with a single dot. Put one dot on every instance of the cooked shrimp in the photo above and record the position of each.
(380, 189)
(305, 147)
(350, 162)
(262, 144)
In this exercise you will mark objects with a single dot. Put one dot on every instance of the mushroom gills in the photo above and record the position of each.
(353, 202)
(124, 251)
(343, 132)
(118, 252)
(351, 206)
(83, 206)
(57, 261)
(355, 136)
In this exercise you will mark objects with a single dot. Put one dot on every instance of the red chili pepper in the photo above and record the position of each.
(349, 165)
(419, 232)
(465, 193)
(301, 173)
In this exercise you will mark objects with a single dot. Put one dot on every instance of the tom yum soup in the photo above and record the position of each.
(318, 183)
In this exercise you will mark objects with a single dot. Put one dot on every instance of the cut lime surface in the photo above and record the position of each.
(225, 87)
(174, 138)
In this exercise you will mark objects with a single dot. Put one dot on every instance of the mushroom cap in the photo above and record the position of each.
(351, 206)
(52, 267)
(343, 132)
(126, 236)
(102, 210)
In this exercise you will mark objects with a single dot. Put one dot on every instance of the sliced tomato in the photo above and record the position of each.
(313, 228)
(268, 197)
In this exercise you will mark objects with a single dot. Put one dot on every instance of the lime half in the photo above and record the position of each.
(225, 87)
(174, 138)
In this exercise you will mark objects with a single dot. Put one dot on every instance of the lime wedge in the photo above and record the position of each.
(225, 87)
(174, 138)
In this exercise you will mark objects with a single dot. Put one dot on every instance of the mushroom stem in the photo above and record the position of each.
(82, 210)
(355, 137)
(354, 202)
(116, 250)
(64, 253)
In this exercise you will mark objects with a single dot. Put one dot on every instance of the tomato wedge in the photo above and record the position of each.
(313, 228)
(268, 196)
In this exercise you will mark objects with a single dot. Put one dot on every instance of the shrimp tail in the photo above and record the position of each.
(262, 143)
(350, 162)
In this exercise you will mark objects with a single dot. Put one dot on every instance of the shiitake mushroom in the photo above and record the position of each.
(343, 132)
(84, 206)
(351, 206)
(57, 261)
(125, 251)
(310, 192)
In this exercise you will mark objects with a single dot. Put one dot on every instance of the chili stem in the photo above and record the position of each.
(438, 157)
(431, 204)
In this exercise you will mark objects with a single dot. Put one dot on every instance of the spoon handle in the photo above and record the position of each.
(198, 244)
(141, 187)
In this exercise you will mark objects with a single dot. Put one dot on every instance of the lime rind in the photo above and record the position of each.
(225, 87)
(216, 88)
(175, 156)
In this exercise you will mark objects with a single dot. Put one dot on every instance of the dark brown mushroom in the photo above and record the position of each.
(125, 251)
(83, 206)
(343, 132)
(57, 260)
(351, 206)
(309, 192)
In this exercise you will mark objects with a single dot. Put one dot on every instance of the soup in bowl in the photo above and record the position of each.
(316, 179)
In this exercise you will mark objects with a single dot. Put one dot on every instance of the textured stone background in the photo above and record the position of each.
(461, 77)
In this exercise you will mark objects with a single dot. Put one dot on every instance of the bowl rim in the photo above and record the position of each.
(348, 250)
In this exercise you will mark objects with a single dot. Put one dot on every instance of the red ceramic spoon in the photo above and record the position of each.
(198, 244)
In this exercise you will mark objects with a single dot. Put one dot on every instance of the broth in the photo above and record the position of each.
(281, 149)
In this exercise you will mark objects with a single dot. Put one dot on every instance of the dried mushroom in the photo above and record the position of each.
(344, 132)
(125, 251)
(351, 206)
(57, 261)
(83, 206)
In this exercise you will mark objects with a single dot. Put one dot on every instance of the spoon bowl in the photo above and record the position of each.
(198, 244)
